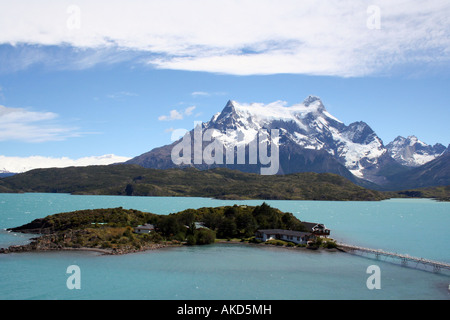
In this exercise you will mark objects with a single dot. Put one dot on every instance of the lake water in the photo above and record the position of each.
(417, 227)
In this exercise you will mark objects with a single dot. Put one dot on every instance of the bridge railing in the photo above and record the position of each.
(437, 265)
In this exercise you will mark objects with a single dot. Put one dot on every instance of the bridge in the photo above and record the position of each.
(404, 258)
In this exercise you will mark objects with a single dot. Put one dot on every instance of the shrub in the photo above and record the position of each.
(190, 240)
(329, 244)
(318, 241)
(204, 236)
(254, 240)
(290, 244)
(156, 237)
(180, 236)
(128, 233)
(276, 242)
(106, 245)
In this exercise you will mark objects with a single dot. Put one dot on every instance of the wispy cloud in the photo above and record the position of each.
(177, 115)
(233, 37)
(121, 94)
(206, 94)
(189, 110)
(20, 56)
(200, 93)
(17, 124)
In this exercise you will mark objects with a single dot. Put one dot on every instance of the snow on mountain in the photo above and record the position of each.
(308, 124)
(358, 147)
(301, 122)
(310, 139)
(412, 152)
(23, 164)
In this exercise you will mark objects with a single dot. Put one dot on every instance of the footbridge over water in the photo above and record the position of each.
(405, 259)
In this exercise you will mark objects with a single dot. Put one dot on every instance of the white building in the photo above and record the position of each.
(297, 237)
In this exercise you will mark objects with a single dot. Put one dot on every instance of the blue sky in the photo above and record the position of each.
(87, 80)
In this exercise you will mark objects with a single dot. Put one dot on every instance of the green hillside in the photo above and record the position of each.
(215, 183)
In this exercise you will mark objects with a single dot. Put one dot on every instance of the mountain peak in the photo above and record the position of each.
(230, 103)
(311, 99)
(360, 132)
(227, 114)
(315, 101)
(399, 139)
(413, 140)
(230, 106)
(412, 152)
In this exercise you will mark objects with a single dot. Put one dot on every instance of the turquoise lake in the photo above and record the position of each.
(418, 227)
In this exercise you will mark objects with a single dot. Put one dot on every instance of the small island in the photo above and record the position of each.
(120, 231)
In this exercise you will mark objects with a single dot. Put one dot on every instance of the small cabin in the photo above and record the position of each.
(146, 228)
(318, 229)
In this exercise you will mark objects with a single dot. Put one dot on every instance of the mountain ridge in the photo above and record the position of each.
(412, 152)
(310, 139)
(432, 174)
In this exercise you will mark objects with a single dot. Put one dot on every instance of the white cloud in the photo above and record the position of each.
(121, 94)
(229, 36)
(207, 94)
(31, 126)
(23, 164)
(188, 111)
(174, 115)
(177, 115)
(200, 93)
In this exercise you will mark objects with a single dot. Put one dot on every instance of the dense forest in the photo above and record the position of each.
(230, 221)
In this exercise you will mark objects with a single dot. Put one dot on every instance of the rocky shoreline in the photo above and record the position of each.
(33, 247)
(46, 243)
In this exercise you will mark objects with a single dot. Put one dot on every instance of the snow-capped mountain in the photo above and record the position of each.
(412, 152)
(310, 139)
(308, 125)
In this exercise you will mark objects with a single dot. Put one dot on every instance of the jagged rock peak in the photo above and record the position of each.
(311, 99)
(412, 152)
(230, 106)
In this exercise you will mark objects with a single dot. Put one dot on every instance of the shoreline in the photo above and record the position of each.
(231, 198)
(31, 247)
(124, 251)
(269, 245)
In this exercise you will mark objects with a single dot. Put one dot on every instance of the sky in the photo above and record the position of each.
(84, 79)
